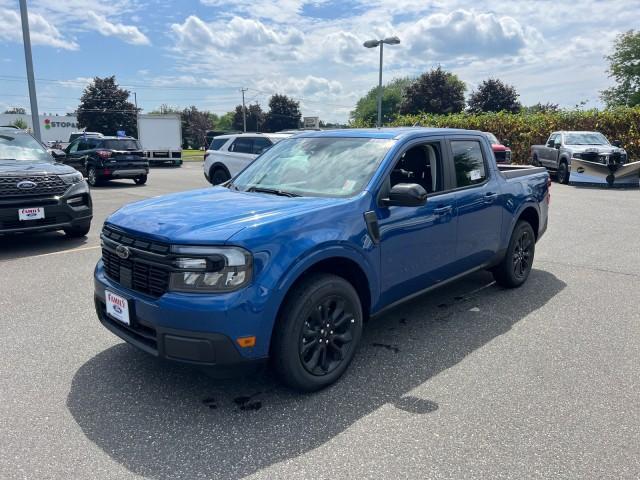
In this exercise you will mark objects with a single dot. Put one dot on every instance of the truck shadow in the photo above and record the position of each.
(166, 421)
(30, 244)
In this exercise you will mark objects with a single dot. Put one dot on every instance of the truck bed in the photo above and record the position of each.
(515, 171)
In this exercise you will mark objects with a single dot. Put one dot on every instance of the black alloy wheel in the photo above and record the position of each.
(327, 336)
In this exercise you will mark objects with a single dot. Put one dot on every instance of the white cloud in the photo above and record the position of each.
(127, 33)
(42, 32)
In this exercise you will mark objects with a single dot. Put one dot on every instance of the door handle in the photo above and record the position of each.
(490, 197)
(442, 210)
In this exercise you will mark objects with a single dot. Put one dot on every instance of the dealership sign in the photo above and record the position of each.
(49, 124)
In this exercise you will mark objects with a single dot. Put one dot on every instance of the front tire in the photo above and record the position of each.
(317, 333)
(563, 173)
(78, 231)
(141, 180)
(516, 265)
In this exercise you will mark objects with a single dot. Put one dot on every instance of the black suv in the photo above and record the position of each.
(105, 158)
(36, 193)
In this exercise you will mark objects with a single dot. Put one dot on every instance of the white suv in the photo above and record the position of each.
(229, 154)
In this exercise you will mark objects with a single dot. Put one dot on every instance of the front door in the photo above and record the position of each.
(417, 243)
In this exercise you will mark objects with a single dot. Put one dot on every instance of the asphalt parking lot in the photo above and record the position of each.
(471, 381)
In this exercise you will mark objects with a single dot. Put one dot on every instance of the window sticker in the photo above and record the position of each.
(475, 175)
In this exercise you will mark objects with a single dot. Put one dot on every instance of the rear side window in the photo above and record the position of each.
(260, 145)
(469, 162)
(242, 145)
(217, 143)
(124, 144)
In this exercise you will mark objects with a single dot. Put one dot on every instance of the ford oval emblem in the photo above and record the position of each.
(26, 185)
(123, 252)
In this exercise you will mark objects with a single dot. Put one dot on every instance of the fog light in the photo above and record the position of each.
(246, 342)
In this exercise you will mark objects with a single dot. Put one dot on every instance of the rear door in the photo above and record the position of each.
(478, 202)
(240, 154)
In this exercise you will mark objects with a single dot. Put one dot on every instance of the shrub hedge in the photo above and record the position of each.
(522, 130)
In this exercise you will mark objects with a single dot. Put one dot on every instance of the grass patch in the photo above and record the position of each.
(193, 155)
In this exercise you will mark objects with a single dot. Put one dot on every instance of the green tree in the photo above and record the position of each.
(255, 118)
(21, 124)
(436, 91)
(366, 111)
(541, 108)
(105, 108)
(624, 68)
(493, 95)
(195, 124)
(284, 113)
(225, 122)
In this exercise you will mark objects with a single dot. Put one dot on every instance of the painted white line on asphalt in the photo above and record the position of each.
(81, 249)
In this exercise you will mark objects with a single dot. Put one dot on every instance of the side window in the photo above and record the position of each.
(73, 148)
(83, 144)
(242, 145)
(469, 162)
(421, 164)
(217, 143)
(260, 145)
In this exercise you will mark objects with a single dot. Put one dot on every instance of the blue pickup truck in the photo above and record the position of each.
(289, 259)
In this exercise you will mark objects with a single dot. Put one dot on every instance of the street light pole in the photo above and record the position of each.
(380, 43)
(29, 62)
(380, 88)
(244, 112)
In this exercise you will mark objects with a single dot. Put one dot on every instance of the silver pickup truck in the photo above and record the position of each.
(562, 147)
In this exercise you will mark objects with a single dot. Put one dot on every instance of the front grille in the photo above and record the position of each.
(46, 185)
(136, 272)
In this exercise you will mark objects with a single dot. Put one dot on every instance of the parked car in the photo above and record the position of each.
(501, 151)
(36, 193)
(105, 158)
(322, 231)
(229, 154)
(562, 146)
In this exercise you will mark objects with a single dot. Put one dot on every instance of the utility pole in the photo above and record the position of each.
(244, 112)
(135, 100)
(30, 78)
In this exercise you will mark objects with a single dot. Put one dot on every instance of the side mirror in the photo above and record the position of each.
(557, 146)
(506, 143)
(56, 153)
(617, 143)
(406, 195)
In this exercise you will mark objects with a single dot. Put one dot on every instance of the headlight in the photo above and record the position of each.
(577, 155)
(210, 269)
(71, 178)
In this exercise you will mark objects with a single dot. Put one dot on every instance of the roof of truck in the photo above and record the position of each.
(389, 133)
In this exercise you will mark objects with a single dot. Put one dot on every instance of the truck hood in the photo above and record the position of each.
(21, 167)
(208, 216)
(594, 148)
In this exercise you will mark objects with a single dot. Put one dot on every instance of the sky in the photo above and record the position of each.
(202, 52)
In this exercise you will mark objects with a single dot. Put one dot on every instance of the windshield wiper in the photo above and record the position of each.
(273, 191)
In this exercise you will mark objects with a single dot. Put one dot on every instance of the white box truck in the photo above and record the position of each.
(161, 138)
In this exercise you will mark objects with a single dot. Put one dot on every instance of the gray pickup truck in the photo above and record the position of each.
(563, 146)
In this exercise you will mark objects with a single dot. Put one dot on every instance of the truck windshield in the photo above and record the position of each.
(316, 167)
(591, 138)
(22, 147)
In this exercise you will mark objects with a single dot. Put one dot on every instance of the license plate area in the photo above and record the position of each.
(33, 213)
(117, 307)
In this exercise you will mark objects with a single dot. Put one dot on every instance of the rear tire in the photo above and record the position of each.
(92, 177)
(307, 354)
(516, 265)
(141, 180)
(78, 231)
(218, 175)
(563, 173)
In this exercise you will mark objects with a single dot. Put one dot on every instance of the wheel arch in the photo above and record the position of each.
(531, 215)
(218, 164)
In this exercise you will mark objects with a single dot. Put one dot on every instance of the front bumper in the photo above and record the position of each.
(190, 328)
(59, 214)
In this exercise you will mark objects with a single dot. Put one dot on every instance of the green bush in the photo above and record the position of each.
(522, 130)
